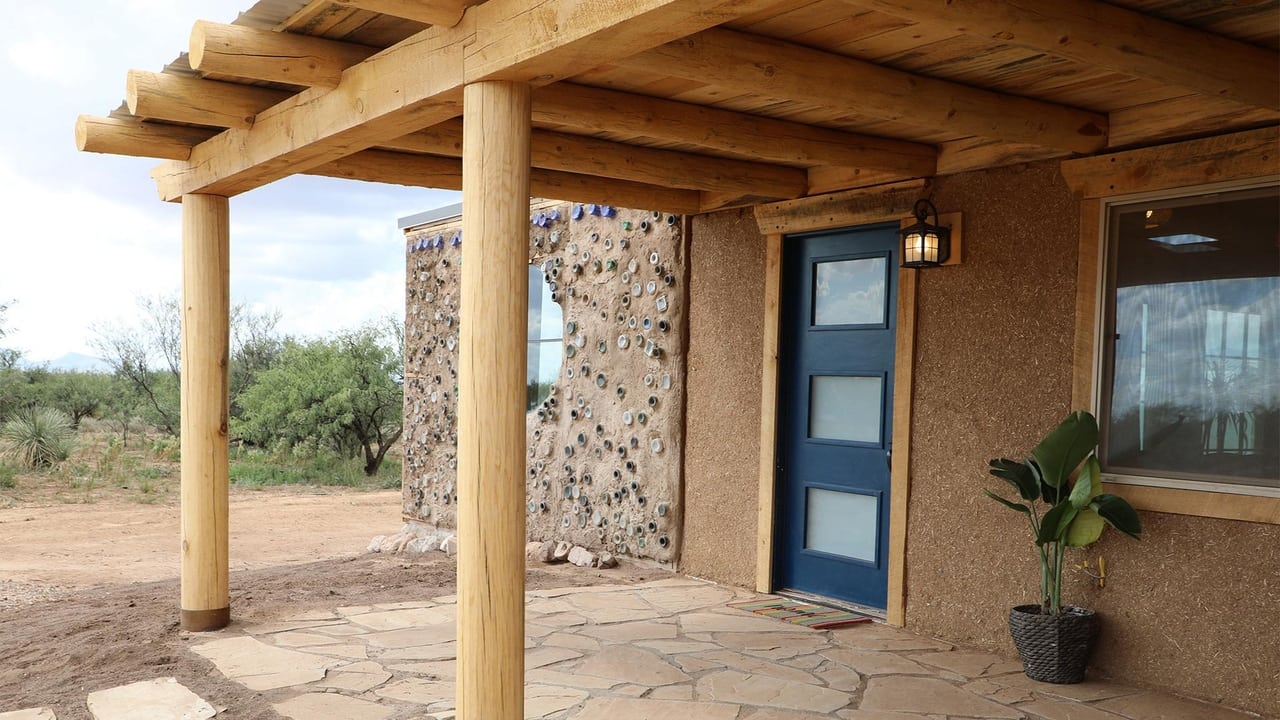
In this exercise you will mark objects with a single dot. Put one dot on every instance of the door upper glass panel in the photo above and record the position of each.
(850, 292)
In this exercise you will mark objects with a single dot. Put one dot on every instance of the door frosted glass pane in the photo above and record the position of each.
(841, 523)
(849, 292)
(845, 408)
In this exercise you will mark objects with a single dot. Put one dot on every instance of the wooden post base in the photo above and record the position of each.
(204, 620)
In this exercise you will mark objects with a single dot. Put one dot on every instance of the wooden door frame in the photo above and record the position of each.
(839, 210)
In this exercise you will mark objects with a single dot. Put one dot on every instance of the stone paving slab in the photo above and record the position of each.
(29, 714)
(663, 650)
(160, 699)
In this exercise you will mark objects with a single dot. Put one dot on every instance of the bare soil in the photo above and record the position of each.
(89, 595)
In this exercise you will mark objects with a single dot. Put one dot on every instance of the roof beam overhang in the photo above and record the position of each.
(178, 98)
(607, 159)
(280, 57)
(1113, 38)
(446, 173)
(431, 12)
(752, 64)
(121, 136)
(418, 83)
(591, 109)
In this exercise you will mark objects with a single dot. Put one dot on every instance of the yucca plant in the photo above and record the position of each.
(1062, 486)
(38, 437)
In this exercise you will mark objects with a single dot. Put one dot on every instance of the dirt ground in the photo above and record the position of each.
(70, 626)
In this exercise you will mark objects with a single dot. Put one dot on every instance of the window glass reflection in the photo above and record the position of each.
(849, 292)
(546, 330)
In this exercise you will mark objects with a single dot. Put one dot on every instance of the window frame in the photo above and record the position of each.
(1104, 365)
(1240, 161)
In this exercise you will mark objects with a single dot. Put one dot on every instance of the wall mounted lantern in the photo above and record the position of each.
(925, 245)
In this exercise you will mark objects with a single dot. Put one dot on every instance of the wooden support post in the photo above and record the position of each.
(206, 297)
(491, 401)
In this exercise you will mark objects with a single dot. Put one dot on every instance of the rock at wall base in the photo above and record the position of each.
(562, 551)
(582, 557)
(375, 545)
(606, 560)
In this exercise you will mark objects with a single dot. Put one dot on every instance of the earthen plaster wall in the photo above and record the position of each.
(1192, 608)
(605, 447)
(726, 271)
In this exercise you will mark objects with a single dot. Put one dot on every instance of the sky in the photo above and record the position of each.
(83, 236)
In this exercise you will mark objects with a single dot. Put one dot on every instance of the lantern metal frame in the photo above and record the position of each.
(925, 244)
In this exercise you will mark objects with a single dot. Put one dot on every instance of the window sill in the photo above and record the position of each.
(1226, 506)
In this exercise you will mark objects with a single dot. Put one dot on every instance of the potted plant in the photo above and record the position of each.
(1060, 486)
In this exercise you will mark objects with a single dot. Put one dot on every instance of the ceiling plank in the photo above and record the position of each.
(418, 83)
(179, 98)
(750, 136)
(431, 12)
(605, 158)
(752, 64)
(1112, 38)
(445, 173)
(121, 136)
(238, 51)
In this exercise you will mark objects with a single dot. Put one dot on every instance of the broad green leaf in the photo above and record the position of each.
(1008, 503)
(1088, 483)
(1085, 529)
(1063, 449)
(1119, 514)
(1018, 474)
(1054, 524)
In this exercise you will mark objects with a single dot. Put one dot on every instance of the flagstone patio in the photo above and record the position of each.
(664, 649)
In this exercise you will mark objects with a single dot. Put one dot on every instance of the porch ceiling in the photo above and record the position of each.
(689, 105)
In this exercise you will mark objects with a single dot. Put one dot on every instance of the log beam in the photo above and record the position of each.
(593, 110)
(206, 314)
(1113, 38)
(430, 12)
(238, 51)
(120, 136)
(752, 64)
(620, 161)
(445, 173)
(178, 98)
(418, 83)
(491, 402)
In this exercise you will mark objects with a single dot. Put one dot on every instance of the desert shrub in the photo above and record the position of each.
(8, 476)
(38, 437)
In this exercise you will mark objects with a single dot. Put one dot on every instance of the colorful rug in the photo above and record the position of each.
(802, 613)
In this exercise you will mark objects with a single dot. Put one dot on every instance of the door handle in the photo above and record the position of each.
(888, 459)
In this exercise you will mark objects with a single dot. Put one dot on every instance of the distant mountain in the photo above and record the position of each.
(78, 361)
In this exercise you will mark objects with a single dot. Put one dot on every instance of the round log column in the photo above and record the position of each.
(206, 313)
(491, 401)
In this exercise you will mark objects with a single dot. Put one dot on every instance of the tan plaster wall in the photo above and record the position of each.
(726, 258)
(1193, 608)
(605, 448)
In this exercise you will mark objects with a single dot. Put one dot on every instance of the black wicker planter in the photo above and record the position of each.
(1054, 648)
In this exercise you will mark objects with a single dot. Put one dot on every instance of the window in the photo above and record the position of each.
(546, 330)
(1190, 390)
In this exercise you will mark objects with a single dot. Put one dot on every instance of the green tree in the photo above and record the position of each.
(78, 394)
(8, 356)
(344, 393)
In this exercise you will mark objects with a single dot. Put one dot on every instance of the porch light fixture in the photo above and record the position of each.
(925, 245)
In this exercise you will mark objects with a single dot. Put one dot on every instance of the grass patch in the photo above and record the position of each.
(256, 469)
(8, 476)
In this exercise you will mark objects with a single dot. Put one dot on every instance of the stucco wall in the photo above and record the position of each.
(726, 259)
(605, 448)
(1194, 607)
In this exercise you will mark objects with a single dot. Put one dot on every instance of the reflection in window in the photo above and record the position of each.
(546, 329)
(849, 292)
(1194, 388)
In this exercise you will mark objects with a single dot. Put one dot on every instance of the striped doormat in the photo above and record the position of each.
(809, 615)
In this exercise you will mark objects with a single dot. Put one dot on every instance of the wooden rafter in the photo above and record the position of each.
(430, 12)
(590, 109)
(445, 173)
(752, 64)
(118, 136)
(603, 158)
(178, 98)
(238, 51)
(1110, 37)
(418, 83)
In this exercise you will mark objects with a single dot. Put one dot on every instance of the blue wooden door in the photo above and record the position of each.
(837, 335)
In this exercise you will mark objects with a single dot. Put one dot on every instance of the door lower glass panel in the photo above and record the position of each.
(841, 523)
